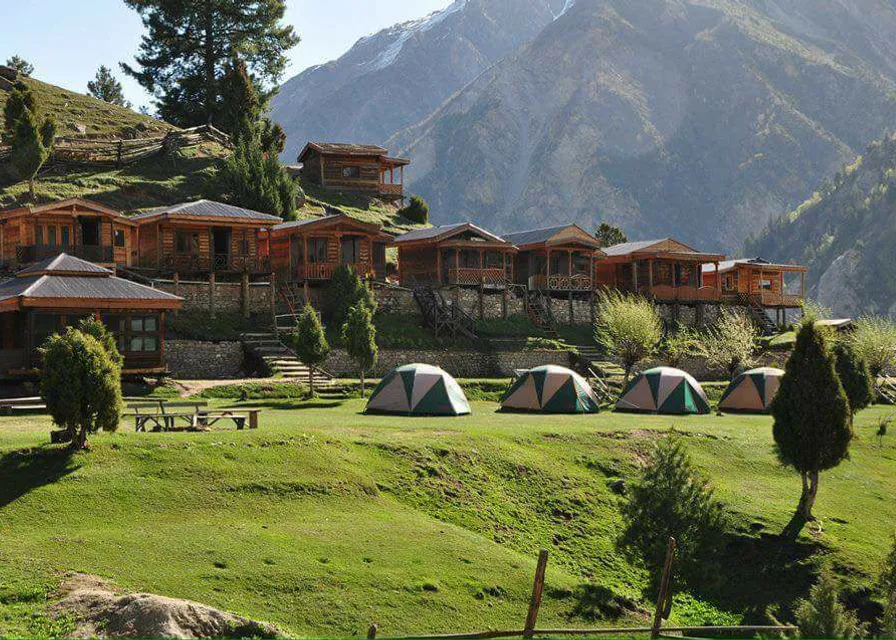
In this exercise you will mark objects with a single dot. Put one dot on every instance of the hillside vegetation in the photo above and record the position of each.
(325, 521)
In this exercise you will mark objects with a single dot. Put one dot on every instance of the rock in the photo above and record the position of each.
(619, 487)
(103, 612)
(78, 127)
(836, 288)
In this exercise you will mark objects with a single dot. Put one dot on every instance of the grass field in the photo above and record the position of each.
(325, 520)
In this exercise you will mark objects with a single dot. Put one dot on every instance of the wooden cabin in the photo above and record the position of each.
(59, 292)
(665, 270)
(308, 251)
(455, 255)
(202, 237)
(561, 258)
(361, 168)
(758, 281)
(75, 226)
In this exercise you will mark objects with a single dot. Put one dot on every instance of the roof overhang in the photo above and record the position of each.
(160, 304)
(328, 222)
(69, 206)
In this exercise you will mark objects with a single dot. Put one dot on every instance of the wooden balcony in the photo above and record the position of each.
(322, 271)
(91, 253)
(493, 277)
(196, 264)
(667, 293)
(391, 189)
(776, 300)
(575, 282)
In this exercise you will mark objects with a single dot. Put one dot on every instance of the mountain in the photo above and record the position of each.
(700, 119)
(393, 79)
(846, 233)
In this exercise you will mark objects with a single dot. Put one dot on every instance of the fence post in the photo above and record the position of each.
(537, 587)
(118, 155)
(664, 598)
(371, 632)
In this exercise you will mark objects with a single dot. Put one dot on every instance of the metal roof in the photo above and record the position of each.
(630, 247)
(538, 236)
(64, 263)
(207, 209)
(446, 231)
(727, 265)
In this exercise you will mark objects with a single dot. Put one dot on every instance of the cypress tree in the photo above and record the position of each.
(29, 137)
(346, 290)
(359, 338)
(309, 342)
(855, 377)
(812, 429)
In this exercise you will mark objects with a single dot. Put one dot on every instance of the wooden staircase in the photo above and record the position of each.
(760, 318)
(886, 390)
(443, 317)
(276, 359)
(538, 308)
(604, 377)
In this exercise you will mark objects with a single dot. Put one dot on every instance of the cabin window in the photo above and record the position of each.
(51, 235)
(186, 242)
(351, 172)
(317, 250)
(350, 250)
(119, 237)
(39, 236)
(66, 239)
(581, 263)
(135, 333)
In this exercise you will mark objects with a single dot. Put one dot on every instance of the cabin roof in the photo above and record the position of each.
(543, 236)
(350, 149)
(444, 232)
(728, 265)
(72, 278)
(207, 209)
(653, 247)
(330, 220)
(81, 203)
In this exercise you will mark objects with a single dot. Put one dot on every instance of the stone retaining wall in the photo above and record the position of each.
(461, 364)
(247, 297)
(198, 360)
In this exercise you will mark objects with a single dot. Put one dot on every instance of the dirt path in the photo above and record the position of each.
(188, 388)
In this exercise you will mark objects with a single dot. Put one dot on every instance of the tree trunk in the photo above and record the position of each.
(311, 381)
(810, 498)
(79, 439)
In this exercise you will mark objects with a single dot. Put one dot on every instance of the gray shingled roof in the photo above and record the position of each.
(208, 209)
(66, 263)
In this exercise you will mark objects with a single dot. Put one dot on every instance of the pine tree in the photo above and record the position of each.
(854, 376)
(346, 290)
(30, 138)
(21, 65)
(607, 235)
(240, 104)
(20, 100)
(359, 338)
(252, 179)
(309, 342)
(812, 429)
(107, 88)
(187, 46)
(416, 211)
(822, 615)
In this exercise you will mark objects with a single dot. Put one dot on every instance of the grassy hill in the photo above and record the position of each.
(325, 520)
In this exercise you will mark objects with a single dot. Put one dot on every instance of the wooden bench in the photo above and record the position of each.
(159, 413)
(239, 417)
(8, 405)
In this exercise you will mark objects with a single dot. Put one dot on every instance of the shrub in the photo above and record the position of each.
(81, 384)
(682, 344)
(730, 343)
(628, 327)
(359, 337)
(854, 376)
(309, 342)
(874, 340)
(822, 615)
(416, 211)
(671, 498)
(346, 290)
(888, 586)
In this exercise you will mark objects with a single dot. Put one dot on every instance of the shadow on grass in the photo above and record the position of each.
(24, 470)
(593, 603)
(292, 405)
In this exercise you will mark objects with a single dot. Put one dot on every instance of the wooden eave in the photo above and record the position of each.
(137, 304)
(391, 161)
(214, 221)
(326, 223)
(787, 268)
(69, 207)
(682, 256)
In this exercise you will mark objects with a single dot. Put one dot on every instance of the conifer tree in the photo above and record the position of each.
(107, 88)
(359, 338)
(822, 615)
(252, 179)
(854, 376)
(416, 211)
(346, 290)
(30, 137)
(20, 64)
(309, 342)
(812, 429)
(608, 235)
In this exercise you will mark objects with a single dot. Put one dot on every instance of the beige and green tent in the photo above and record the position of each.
(664, 390)
(752, 391)
(550, 389)
(418, 390)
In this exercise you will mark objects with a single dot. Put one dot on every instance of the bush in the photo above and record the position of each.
(81, 384)
(346, 290)
(682, 344)
(672, 499)
(309, 342)
(854, 376)
(874, 340)
(416, 211)
(822, 615)
(628, 327)
(730, 343)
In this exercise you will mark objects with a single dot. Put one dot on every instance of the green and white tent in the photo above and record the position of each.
(550, 389)
(418, 390)
(752, 391)
(664, 390)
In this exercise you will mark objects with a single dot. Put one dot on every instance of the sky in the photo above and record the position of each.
(67, 40)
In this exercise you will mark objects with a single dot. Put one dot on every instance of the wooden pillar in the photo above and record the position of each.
(548, 270)
(718, 277)
(635, 275)
(305, 260)
(211, 293)
(162, 338)
(802, 284)
(456, 264)
(569, 264)
(438, 265)
(650, 274)
(244, 293)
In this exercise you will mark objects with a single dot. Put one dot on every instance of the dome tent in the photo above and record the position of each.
(664, 390)
(550, 389)
(420, 390)
(752, 391)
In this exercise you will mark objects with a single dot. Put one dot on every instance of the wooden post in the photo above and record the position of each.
(537, 588)
(718, 278)
(802, 284)
(244, 294)
(650, 274)
(371, 632)
(211, 293)
(664, 597)
(635, 275)
(456, 265)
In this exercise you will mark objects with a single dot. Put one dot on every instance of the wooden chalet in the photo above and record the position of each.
(75, 226)
(757, 281)
(561, 258)
(354, 167)
(59, 292)
(308, 251)
(455, 255)
(665, 270)
(204, 237)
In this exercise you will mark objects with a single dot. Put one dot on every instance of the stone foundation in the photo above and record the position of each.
(459, 363)
(197, 360)
(211, 296)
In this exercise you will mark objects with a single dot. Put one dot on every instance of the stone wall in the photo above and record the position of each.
(577, 311)
(459, 363)
(698, 367)
(221, 296)
(197, 360)
(395, 300)
(699, 315)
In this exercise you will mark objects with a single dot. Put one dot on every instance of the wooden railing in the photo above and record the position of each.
(667, 293)
(391, 189)
(575, 282)
(324, 270)
(489, 277)
(772, 299)
(192, 263)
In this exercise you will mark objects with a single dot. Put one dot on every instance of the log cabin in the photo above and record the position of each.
(203, 237)
(59, 292)
(76, 226)
(360, 168)
(561, 259)
(307, 252)
(758, 281)
(455, 255)
(666, 270)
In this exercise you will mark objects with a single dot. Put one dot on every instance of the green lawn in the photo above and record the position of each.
(325, 520)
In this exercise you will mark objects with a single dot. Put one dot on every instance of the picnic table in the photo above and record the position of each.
(8, 405)
(162, 415)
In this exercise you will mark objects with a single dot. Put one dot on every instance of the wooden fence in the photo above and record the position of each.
(121, 152)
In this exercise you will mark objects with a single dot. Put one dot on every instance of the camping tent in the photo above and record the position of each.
(663, 390)
(418, 389)
(752, 390)
(550, 389)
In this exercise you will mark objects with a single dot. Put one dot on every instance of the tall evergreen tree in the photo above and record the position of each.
(107, 88)
(254, 179)
(855, 377)
(346, 290)
(608, 235)
(30, 137)
(188, 44)
(20, 64)
(812, 429)
(359, 338)
(309, 342)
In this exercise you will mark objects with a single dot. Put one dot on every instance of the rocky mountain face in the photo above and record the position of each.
(846, 233)
(393, 79)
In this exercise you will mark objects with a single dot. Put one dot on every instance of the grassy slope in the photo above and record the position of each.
(325, 520)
